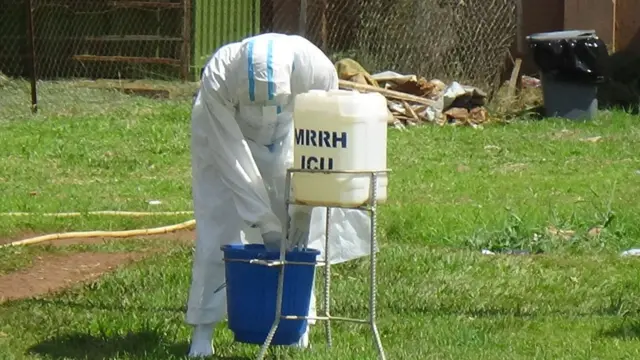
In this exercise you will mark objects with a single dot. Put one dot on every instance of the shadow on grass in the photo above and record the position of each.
(144, 345)
(627, 330)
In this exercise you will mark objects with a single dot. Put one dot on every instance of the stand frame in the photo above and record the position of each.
(371, 207)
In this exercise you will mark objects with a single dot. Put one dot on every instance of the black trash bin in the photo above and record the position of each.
(572, 63)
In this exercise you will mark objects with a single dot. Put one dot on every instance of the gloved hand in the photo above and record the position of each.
(300, 223)
(272, 240)
(299, 238)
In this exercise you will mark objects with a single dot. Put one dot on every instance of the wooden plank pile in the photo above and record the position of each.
(414, 100)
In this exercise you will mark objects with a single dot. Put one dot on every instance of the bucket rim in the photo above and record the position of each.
(262, 251)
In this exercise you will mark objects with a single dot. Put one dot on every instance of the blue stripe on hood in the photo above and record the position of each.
(271, 85)
(252, 80)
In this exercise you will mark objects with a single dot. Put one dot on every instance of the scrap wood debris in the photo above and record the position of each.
(413, 100)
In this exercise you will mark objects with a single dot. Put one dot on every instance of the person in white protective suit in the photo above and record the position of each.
(242, 144)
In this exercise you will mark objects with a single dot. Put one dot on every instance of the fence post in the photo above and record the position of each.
(186, 39)
(519, 30)
(267, 15)
(302, 23)
(324, 31)
(31, 57)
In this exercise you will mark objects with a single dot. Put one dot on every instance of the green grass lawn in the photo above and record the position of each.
(536, 186)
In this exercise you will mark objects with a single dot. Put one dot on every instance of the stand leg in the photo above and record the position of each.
(327, 274)
(276, 321)
(327, 282)
(374, 249)
(283, 251)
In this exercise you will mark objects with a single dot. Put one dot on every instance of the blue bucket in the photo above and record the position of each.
(252, 291)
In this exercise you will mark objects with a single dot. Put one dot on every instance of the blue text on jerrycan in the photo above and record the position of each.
(319, 139)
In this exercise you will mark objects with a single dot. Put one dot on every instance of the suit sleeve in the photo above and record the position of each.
(228, 147)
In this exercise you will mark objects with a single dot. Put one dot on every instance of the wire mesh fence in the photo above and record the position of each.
(116, 39)
(461, 40)
(14, 94)
(82, 47)
(104, 43)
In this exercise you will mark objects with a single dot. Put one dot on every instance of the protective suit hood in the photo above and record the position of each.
(264, 77)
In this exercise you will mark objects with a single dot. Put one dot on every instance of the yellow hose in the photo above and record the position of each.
(115, 213)
(93, 234)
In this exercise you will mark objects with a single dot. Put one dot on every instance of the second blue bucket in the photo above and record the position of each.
(252, 291)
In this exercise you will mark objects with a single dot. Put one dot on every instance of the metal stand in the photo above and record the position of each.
(371, 208)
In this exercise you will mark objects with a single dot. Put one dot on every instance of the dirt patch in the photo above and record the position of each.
(510, 168)
(53, 273)
(186, 236)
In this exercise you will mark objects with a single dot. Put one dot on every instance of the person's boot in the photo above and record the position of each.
(202, 341)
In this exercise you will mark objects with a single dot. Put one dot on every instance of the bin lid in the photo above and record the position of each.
(561, 35)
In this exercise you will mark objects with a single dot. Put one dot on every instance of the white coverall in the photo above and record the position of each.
(242, 144)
